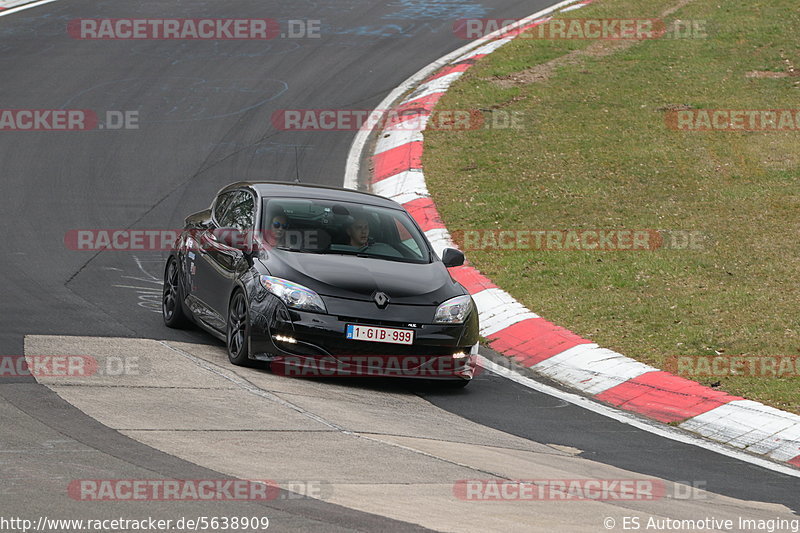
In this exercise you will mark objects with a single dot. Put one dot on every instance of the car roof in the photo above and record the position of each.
(300, 190)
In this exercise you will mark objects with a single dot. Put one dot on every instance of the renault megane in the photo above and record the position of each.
(322, 278)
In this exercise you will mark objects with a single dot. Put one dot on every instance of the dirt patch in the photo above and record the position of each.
(790, 72)
(768, 74)
(544, 71)
(669, 11)
(675, 107)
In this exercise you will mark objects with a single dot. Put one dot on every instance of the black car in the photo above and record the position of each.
(321, 281)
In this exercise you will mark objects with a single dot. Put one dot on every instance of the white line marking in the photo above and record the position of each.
(24, 7)
(153, 278)
(633, 420)
(141, 289)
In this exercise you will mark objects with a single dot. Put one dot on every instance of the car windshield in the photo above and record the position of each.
(344, 228)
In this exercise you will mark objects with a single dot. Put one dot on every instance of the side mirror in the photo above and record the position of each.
(236, 238)
(452, 257)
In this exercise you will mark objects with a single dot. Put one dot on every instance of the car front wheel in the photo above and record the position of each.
(172, 297)
(238, 330)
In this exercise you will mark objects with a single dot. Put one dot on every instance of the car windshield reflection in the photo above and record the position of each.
(342, 228)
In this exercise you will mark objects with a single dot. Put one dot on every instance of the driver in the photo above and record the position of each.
(277, 228)
(358, 231)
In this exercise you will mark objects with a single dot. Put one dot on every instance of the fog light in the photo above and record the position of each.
(460, 355)
(281, 338)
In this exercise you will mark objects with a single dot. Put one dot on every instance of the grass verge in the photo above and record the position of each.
(594, 152)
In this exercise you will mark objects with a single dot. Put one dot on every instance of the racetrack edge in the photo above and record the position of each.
(532, 341)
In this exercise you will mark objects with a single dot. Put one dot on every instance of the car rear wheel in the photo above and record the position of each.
(172, 297)
(238, 330)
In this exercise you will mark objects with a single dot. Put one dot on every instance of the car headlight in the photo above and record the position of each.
(454, 310)
(294, 295)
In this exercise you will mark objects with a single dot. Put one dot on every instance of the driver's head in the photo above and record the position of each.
(358, 231)
(277, 225)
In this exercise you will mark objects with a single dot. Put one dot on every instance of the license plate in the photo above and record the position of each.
(377, 334)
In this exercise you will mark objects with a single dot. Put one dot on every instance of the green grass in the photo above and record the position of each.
(595, 152)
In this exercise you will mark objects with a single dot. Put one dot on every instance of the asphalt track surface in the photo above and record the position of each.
(205, 111)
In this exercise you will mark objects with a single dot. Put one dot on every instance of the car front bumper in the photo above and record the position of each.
(306, 343)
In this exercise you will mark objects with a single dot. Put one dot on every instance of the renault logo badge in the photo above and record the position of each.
(381, 299)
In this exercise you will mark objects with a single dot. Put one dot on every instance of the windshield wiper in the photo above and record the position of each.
(299, 250)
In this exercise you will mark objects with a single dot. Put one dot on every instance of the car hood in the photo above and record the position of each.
(359, 278)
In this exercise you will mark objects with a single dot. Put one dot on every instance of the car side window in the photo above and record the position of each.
(221, 205)
(240, 213)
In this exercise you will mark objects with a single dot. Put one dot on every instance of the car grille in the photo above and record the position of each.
(373, 322)
(350, 347)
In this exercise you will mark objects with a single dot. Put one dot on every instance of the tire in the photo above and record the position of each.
(237, 331)
(172, 298)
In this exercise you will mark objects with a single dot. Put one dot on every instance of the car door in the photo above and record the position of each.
(218, 264)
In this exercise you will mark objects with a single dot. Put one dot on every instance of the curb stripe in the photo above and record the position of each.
(391, 139)
(533, 340)
(412, 114)
(461, 67)
(591, 369)
(424, 212)
(403, 188)
(424, 103)
(665, 397)
(396, 160)
(485, 49)
(498, 310)
(752, 426)
(439, 85)
(439, 239)
(471, 279)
